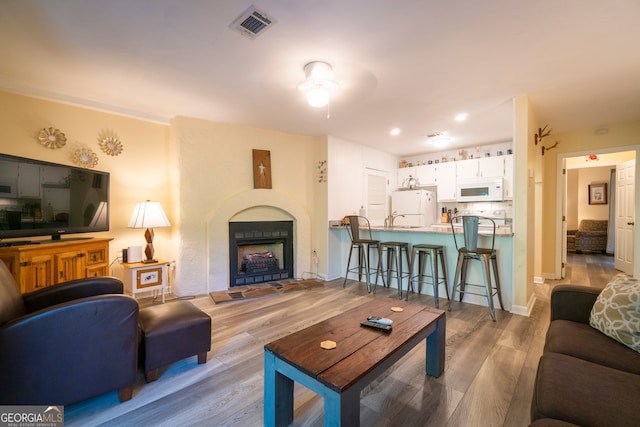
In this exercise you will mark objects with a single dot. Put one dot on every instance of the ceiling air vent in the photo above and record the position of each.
(252, 22)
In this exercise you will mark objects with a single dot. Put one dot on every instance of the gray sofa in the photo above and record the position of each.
(584, 377)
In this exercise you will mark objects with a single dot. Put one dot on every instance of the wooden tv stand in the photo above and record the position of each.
(50, 262)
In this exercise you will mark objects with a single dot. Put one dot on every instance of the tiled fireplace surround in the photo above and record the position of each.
(254, 205)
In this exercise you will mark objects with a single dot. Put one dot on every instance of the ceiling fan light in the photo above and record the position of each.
(318, 97)
(319, 83)
(440, 141)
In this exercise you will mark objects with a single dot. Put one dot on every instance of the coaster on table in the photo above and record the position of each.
(328, 345)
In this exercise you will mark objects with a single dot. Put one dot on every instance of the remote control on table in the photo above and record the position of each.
(378, 326)
(380, 320)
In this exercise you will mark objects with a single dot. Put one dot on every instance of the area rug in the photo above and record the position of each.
(238, 293)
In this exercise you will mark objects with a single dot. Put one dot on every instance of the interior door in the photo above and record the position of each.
(376, 195)
(625, 216)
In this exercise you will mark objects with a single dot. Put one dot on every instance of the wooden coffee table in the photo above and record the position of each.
(361, 355)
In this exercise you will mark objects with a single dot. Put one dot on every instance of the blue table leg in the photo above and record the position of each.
(435, 349)
(342, 409)
(278, 394)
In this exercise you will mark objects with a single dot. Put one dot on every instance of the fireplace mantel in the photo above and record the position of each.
(218, 231)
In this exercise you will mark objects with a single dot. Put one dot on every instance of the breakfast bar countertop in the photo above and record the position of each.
(501, 230)
(437, 234)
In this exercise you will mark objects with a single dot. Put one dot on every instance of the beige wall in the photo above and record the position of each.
(620, 137)
(216, 175)
(192, 167)
(587, 177)
(524, 206)
(137, 174)
(572, 199)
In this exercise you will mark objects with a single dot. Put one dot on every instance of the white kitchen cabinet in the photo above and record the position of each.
(426, 175)
(467, 169)
(491, 166)
(508, 177)
(404, 174)
(484, 167)
(28, 180)
(446, 181)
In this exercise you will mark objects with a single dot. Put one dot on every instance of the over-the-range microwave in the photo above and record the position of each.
(480, 190)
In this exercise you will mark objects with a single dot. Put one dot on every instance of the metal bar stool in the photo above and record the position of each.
(435, 252)
(359, 231)
(469, 252)
(394, 256)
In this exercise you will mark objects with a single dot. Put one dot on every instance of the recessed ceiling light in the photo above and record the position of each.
(394, 132)
(461, 117)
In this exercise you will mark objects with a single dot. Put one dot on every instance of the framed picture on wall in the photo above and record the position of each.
(598, 194)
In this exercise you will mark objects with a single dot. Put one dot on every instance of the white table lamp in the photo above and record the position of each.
(148, 215)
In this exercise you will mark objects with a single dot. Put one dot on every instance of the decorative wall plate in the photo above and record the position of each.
(111, 145)
(52, 138)
(85, 157)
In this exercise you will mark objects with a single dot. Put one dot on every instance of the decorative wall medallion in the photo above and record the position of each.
(85, 157)
(111, 145)
(52, 138)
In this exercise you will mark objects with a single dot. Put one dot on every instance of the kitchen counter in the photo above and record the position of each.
(502, 230)
(440, 234)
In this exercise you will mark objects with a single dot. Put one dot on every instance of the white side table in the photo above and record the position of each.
(144, 277)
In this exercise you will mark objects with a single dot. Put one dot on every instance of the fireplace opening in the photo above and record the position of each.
(260, 251)
(260, 258)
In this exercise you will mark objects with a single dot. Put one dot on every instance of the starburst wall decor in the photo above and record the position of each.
(111, 145)
(85, 157)
(52, 138)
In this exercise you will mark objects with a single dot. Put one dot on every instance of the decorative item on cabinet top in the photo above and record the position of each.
(52, 138)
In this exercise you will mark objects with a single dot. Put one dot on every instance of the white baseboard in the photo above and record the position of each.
(522, 310)
(538, 280)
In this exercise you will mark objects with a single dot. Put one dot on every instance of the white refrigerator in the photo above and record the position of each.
(419, 208)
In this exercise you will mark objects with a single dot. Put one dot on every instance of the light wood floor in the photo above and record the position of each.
(488, 379)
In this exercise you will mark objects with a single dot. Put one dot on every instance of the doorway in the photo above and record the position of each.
(579, 175)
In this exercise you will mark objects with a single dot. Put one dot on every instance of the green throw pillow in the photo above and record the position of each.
(616, 312)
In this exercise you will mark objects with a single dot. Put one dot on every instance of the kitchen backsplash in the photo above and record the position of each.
(500, 210)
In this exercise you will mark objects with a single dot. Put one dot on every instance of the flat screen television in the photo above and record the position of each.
(39, 198)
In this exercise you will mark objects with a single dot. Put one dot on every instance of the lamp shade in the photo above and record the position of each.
(148, 215)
